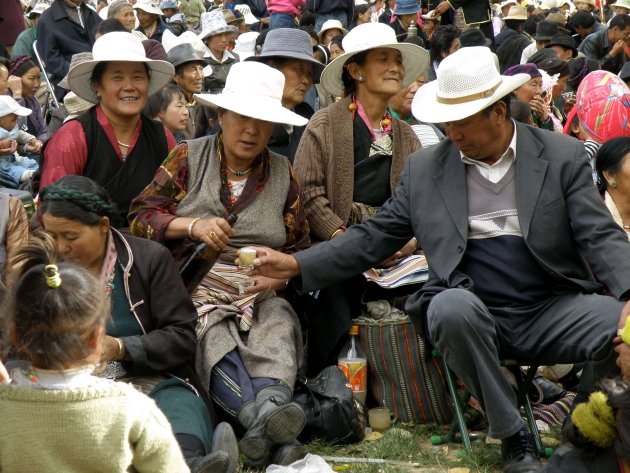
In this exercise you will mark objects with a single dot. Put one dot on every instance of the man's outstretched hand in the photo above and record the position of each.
(274, 264)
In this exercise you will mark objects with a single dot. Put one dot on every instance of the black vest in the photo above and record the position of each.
(123, 181)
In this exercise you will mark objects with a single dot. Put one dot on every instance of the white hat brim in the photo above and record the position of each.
(22, 111)
(162, 73)
(426, 108)
(415, 60)
(224, 29)
(148, 9)
(262, 108)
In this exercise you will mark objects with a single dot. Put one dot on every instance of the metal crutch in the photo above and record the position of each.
(51, 89)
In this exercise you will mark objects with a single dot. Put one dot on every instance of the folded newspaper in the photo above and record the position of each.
(410, 270)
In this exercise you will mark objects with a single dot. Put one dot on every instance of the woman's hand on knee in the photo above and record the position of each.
(214, 232)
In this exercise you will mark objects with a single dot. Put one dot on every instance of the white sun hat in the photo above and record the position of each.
(170, 40)
(213, 23)
(621, 4)
(331, 25)
(255, 90)
(467, 82)
(371, 36)
(248, 16)
(149, 7)
(117, 46)
(9, 105)
(246, 45)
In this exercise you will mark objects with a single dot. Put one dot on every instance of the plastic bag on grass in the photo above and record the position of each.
(308, 464)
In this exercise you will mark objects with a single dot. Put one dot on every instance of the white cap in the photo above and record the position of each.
(9, 105)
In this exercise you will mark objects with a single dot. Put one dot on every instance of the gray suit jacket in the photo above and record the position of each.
(564, 222)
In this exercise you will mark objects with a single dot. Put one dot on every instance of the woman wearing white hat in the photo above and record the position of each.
(351, 154)
(249, 341)
(215, 34)
(150, 18)
(113, 144)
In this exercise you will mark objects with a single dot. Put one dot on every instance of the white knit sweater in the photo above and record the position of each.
(105, 427)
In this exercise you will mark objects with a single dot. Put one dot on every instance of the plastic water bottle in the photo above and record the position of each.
(353, 363)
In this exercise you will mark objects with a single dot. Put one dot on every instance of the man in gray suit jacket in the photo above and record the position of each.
(520, 245)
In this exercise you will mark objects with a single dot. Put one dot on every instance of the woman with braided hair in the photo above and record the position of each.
(98, 425)
(150, 338)
(24, 81)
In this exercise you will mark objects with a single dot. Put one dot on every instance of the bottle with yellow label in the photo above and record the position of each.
(353, 363)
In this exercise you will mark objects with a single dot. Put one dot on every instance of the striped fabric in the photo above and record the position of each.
(554, 414)
(220, 288)
(403, 376)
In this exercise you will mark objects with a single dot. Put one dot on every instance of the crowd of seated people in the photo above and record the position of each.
(381, 134)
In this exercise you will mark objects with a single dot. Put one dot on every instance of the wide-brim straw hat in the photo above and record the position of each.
(331, 25)
(117, 47)
(78, 58)
(213, 23)
(254, 90)
(371, 36)
(289, 43)
(622, 4)
(75, 104)
(149, 7)
(467, 82)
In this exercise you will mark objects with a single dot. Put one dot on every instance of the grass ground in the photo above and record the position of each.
(406, 448)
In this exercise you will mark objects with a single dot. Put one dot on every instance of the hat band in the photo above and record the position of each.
(470, 98)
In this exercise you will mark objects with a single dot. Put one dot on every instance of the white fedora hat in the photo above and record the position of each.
(255, 90)
(8, 105)
(467, 82)
(621, 4)
(117, 46)
(371, 36)
(148, 6)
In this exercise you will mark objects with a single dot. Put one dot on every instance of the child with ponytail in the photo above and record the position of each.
(56, 415)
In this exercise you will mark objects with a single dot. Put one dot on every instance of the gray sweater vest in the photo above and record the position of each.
(262, 223)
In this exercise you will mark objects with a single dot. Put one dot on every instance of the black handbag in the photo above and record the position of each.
(332, 414)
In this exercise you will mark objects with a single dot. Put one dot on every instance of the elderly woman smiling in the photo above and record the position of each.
(113, 143)
(250, 343)
(349, 161)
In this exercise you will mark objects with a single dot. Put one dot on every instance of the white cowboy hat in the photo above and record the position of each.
(621, 4)
(331, 25)
(148, 6)
(248, 16)
(371, 36)
(467, 82)
(117, 46)
(213, 23)
(255, 90)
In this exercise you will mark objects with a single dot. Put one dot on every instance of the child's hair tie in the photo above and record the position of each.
(595, 420)
(53, 280)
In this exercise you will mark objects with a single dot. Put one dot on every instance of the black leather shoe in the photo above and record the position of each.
(289, 453)
(519, 455)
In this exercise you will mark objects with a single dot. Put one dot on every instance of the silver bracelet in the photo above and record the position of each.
(190, 227)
